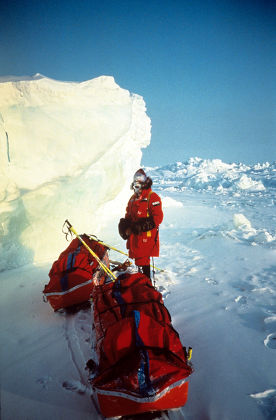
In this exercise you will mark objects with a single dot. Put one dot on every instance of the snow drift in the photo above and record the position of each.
(67, 150)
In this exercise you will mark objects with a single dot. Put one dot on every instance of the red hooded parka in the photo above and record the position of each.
(145, 244)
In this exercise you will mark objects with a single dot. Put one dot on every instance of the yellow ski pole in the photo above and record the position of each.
(103, 266)
(94, 238)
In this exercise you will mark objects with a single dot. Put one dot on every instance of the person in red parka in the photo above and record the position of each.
(140, 225)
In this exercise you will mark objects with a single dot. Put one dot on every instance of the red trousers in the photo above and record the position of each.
(142, 261)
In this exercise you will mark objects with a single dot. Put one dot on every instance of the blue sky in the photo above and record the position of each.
(206, 69)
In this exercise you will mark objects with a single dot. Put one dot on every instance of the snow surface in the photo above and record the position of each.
(219, 252)
(218, 247)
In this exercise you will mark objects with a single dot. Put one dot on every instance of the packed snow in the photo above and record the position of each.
(218, 250)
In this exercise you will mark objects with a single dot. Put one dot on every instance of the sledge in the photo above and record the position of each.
(74, 273)
(138, 363)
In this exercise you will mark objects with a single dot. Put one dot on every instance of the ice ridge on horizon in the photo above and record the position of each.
(216, 175)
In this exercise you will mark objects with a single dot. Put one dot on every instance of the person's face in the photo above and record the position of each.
(137, 186)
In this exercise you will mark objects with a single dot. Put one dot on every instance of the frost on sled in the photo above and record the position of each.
(138, 363)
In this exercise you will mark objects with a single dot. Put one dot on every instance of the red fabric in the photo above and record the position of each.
(133, 332)
(83, 259)
(70, 274)
(165, 370)
(117, 406)
(145, 244)
(136, 292)
(142, 261)
(151, 332)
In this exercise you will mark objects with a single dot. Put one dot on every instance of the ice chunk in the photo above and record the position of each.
(246, 183)
(241, 222)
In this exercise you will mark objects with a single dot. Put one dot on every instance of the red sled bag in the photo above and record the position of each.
(139, 363)
(74, 274)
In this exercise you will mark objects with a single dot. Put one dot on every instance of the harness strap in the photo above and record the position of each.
(148, 213)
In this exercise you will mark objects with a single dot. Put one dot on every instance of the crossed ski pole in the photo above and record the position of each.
(102, 265)
(94, 238)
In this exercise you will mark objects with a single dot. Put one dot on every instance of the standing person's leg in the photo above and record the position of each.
(146, 270)
(143, 265)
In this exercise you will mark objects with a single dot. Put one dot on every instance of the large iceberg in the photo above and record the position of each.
(68, 150)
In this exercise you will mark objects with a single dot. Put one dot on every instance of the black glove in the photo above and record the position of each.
(142, 225)
(123, 226)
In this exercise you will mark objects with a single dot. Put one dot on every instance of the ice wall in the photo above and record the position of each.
(67, 150)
